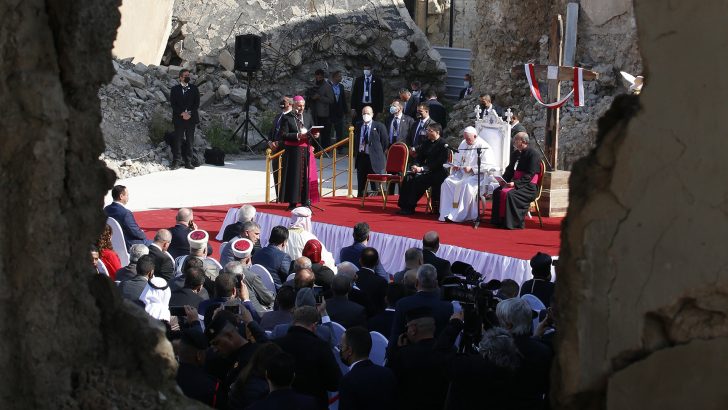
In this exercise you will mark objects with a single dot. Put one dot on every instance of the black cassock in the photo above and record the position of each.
(294, 187)
(431, 155)
(519, 199)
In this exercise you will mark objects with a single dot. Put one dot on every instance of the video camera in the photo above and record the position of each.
(477, 298)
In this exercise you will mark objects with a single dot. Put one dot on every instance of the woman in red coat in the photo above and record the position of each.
(106, 253)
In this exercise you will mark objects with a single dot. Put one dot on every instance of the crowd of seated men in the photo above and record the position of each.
(242, 343)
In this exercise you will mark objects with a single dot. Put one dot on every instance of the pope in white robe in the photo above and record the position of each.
(459, 192)
(300, 231)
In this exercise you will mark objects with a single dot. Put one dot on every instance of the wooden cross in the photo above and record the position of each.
(565, 73)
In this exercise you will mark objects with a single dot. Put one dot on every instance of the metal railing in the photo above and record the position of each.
(335, 159)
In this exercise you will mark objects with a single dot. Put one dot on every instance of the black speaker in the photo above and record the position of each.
(247, 52)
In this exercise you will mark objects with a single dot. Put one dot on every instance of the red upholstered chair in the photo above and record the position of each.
(397, 157)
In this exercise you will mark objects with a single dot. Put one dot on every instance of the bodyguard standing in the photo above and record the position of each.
(185, 99)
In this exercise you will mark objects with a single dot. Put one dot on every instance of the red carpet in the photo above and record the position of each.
(520, 244)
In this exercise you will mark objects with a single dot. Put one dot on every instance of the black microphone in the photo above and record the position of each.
(451, 148)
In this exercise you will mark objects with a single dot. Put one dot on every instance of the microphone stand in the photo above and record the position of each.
(477, 221)
(543, 155)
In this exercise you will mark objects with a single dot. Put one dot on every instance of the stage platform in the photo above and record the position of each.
(497, 253)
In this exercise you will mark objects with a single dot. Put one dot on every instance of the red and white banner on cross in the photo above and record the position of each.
(577, 90)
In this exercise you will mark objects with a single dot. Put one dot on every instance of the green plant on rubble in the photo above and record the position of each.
(219, 137)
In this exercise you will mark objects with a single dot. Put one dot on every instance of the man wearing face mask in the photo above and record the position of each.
(468, 83)
(418, 130)
(185, 100)
(409, 102)
(367, 90)
(399, 126)
(294, 134)
(370, 142)
(322, 97)
(488, 108)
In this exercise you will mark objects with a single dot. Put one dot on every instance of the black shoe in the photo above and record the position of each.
(291, 207)
(189, 166)
(405, 212)
(175, 165)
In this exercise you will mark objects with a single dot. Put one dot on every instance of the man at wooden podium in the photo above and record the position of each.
(519, 186)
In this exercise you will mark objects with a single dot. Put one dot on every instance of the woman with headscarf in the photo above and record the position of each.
(321, 269)
(107, 255)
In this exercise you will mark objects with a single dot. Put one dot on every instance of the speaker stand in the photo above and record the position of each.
(244, 126)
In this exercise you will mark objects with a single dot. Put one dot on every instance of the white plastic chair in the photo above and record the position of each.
(338, 332)
(230, 218)
(265, 276)
(378, 354)
(536, 305)
(117, 241)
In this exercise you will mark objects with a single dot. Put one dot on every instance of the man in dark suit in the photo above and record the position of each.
(322, 96)
(273, 258)
(488, 108)
(185, 100)
(245, 213)
(352, 253)
(117, 210)
(366, 385)
(179, 245)
(468, 83)
(428, 295)
(316, 369)
(367, 90)
(437, 110)
(280, 373)
(369, 282)
(516, 125)
(418, 133)
(382, 322)
(417, 365)
(430, 245)
(190, 294)
(163, 262)
(339, 108)
(370, 142)
(409, 102)
(399, 125)
(340, 309)
(427, 171)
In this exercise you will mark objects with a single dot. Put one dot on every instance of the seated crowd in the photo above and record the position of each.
(246, 339)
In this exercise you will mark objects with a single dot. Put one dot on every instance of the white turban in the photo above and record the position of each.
(301, 218)
(155, 297)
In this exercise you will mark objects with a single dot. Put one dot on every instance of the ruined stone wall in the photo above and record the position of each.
(302, 35)
(68, 340)
(438, 23)
(642, 295)
(512, 33)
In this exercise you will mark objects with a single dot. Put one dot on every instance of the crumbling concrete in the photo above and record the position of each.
(144, 30)
(512, 33)
(68, 340)
(642, 295)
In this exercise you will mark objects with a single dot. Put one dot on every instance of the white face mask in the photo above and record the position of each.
(367, 73)
(393, 109)
(366, 117)
(467, 84)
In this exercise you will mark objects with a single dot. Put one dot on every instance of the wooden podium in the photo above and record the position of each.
(555, 194)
